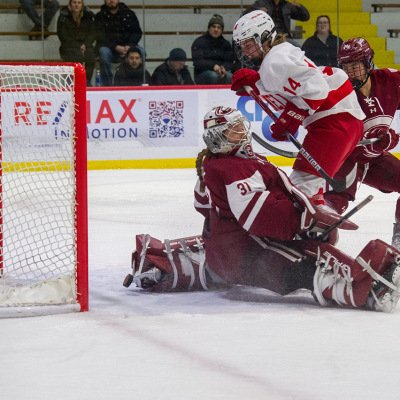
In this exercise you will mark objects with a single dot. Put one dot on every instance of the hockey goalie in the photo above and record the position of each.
(262, 231)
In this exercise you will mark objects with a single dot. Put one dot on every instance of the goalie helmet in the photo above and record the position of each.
(217, 122)
(357, 49)
(256, 25)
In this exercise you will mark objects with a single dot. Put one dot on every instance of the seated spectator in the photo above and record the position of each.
(212, 55)
(173, 70)
(75, 29)
(117, 30)
(281, 12)
(130, 71)
(322, 47)
(50, 9)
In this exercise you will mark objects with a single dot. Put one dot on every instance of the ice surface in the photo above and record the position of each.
(238, 345)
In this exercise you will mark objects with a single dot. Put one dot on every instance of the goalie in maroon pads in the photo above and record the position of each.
(378, 92)
(173, 266)
(253, 216)
(320, 99)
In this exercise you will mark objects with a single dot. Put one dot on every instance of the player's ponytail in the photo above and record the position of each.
(199, 167)
(279, 38)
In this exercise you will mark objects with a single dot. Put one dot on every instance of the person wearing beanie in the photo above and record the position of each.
(212, 55)
(172, 71)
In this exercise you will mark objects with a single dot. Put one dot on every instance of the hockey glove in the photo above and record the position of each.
(388, 140)
(290, 120)
(317, 218)
(245, 77)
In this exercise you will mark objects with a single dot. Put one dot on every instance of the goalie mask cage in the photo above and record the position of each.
(43, 189)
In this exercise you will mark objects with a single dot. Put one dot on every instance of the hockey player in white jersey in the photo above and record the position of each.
(320, 98)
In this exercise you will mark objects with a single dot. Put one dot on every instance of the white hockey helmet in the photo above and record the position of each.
(256, 25)
(220, 119)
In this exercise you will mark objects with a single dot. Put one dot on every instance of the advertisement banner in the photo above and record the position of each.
(154, 124)
(43, 115)
(126, 127)
(35, 122)
(152, 118)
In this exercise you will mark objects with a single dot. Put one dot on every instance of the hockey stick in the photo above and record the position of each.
(293, 154)
(337, 186)
(280, 152)
(326, 233)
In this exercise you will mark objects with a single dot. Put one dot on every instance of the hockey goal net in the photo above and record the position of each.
(43, 189)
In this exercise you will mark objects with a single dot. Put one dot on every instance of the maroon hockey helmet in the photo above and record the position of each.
(357, 49)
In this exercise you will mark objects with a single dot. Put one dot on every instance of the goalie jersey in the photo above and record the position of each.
(248, 189)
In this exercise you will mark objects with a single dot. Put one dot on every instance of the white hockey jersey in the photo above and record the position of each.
(288, 75)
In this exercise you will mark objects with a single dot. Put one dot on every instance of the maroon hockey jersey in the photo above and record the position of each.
(380, 106)
(252, 191)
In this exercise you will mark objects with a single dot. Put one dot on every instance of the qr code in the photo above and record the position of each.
(166, 119)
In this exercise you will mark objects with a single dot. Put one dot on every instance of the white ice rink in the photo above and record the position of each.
(138, 345)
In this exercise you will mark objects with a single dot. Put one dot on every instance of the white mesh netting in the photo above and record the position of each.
(38, 244)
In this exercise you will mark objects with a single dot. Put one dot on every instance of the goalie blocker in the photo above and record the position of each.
(370, 281)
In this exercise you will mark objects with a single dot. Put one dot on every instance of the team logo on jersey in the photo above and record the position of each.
(248, 150)
(370, 101)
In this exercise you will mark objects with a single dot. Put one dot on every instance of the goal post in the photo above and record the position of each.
(43, 189)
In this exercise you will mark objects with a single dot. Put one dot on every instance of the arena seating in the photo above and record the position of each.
(176, 23)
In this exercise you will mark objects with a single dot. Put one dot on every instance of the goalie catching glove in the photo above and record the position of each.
(317, 218)
(388, 140)
(245, 77)
(290, 120)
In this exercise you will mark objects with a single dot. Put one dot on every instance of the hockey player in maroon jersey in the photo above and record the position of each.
(253, 216)
(378, 92)
(319, 98)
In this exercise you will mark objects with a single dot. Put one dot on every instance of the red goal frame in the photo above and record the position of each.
(81, 214)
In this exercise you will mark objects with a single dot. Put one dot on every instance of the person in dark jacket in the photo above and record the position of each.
(212, 55)
(117, 30)
(281, 12)
(322, 47)
(75, 29)
(130, 71)
(173, 70)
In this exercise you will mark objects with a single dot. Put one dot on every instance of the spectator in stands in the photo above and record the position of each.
(322, 47)
(50, 9)
(75, 29)
(173, 70)
(117, 29)
(130, 71)
(212, 55)
(281, 12)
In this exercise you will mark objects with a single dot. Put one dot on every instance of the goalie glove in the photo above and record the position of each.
(290, 120)
(317, 218)
(245, 77)
(388, 140)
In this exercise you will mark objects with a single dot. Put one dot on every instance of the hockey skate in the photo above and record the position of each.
(383, 297)
(396, 236)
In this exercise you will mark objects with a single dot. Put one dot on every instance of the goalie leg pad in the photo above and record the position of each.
(348, 282)
(175, 265)
(332, 278)
(382, 263)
